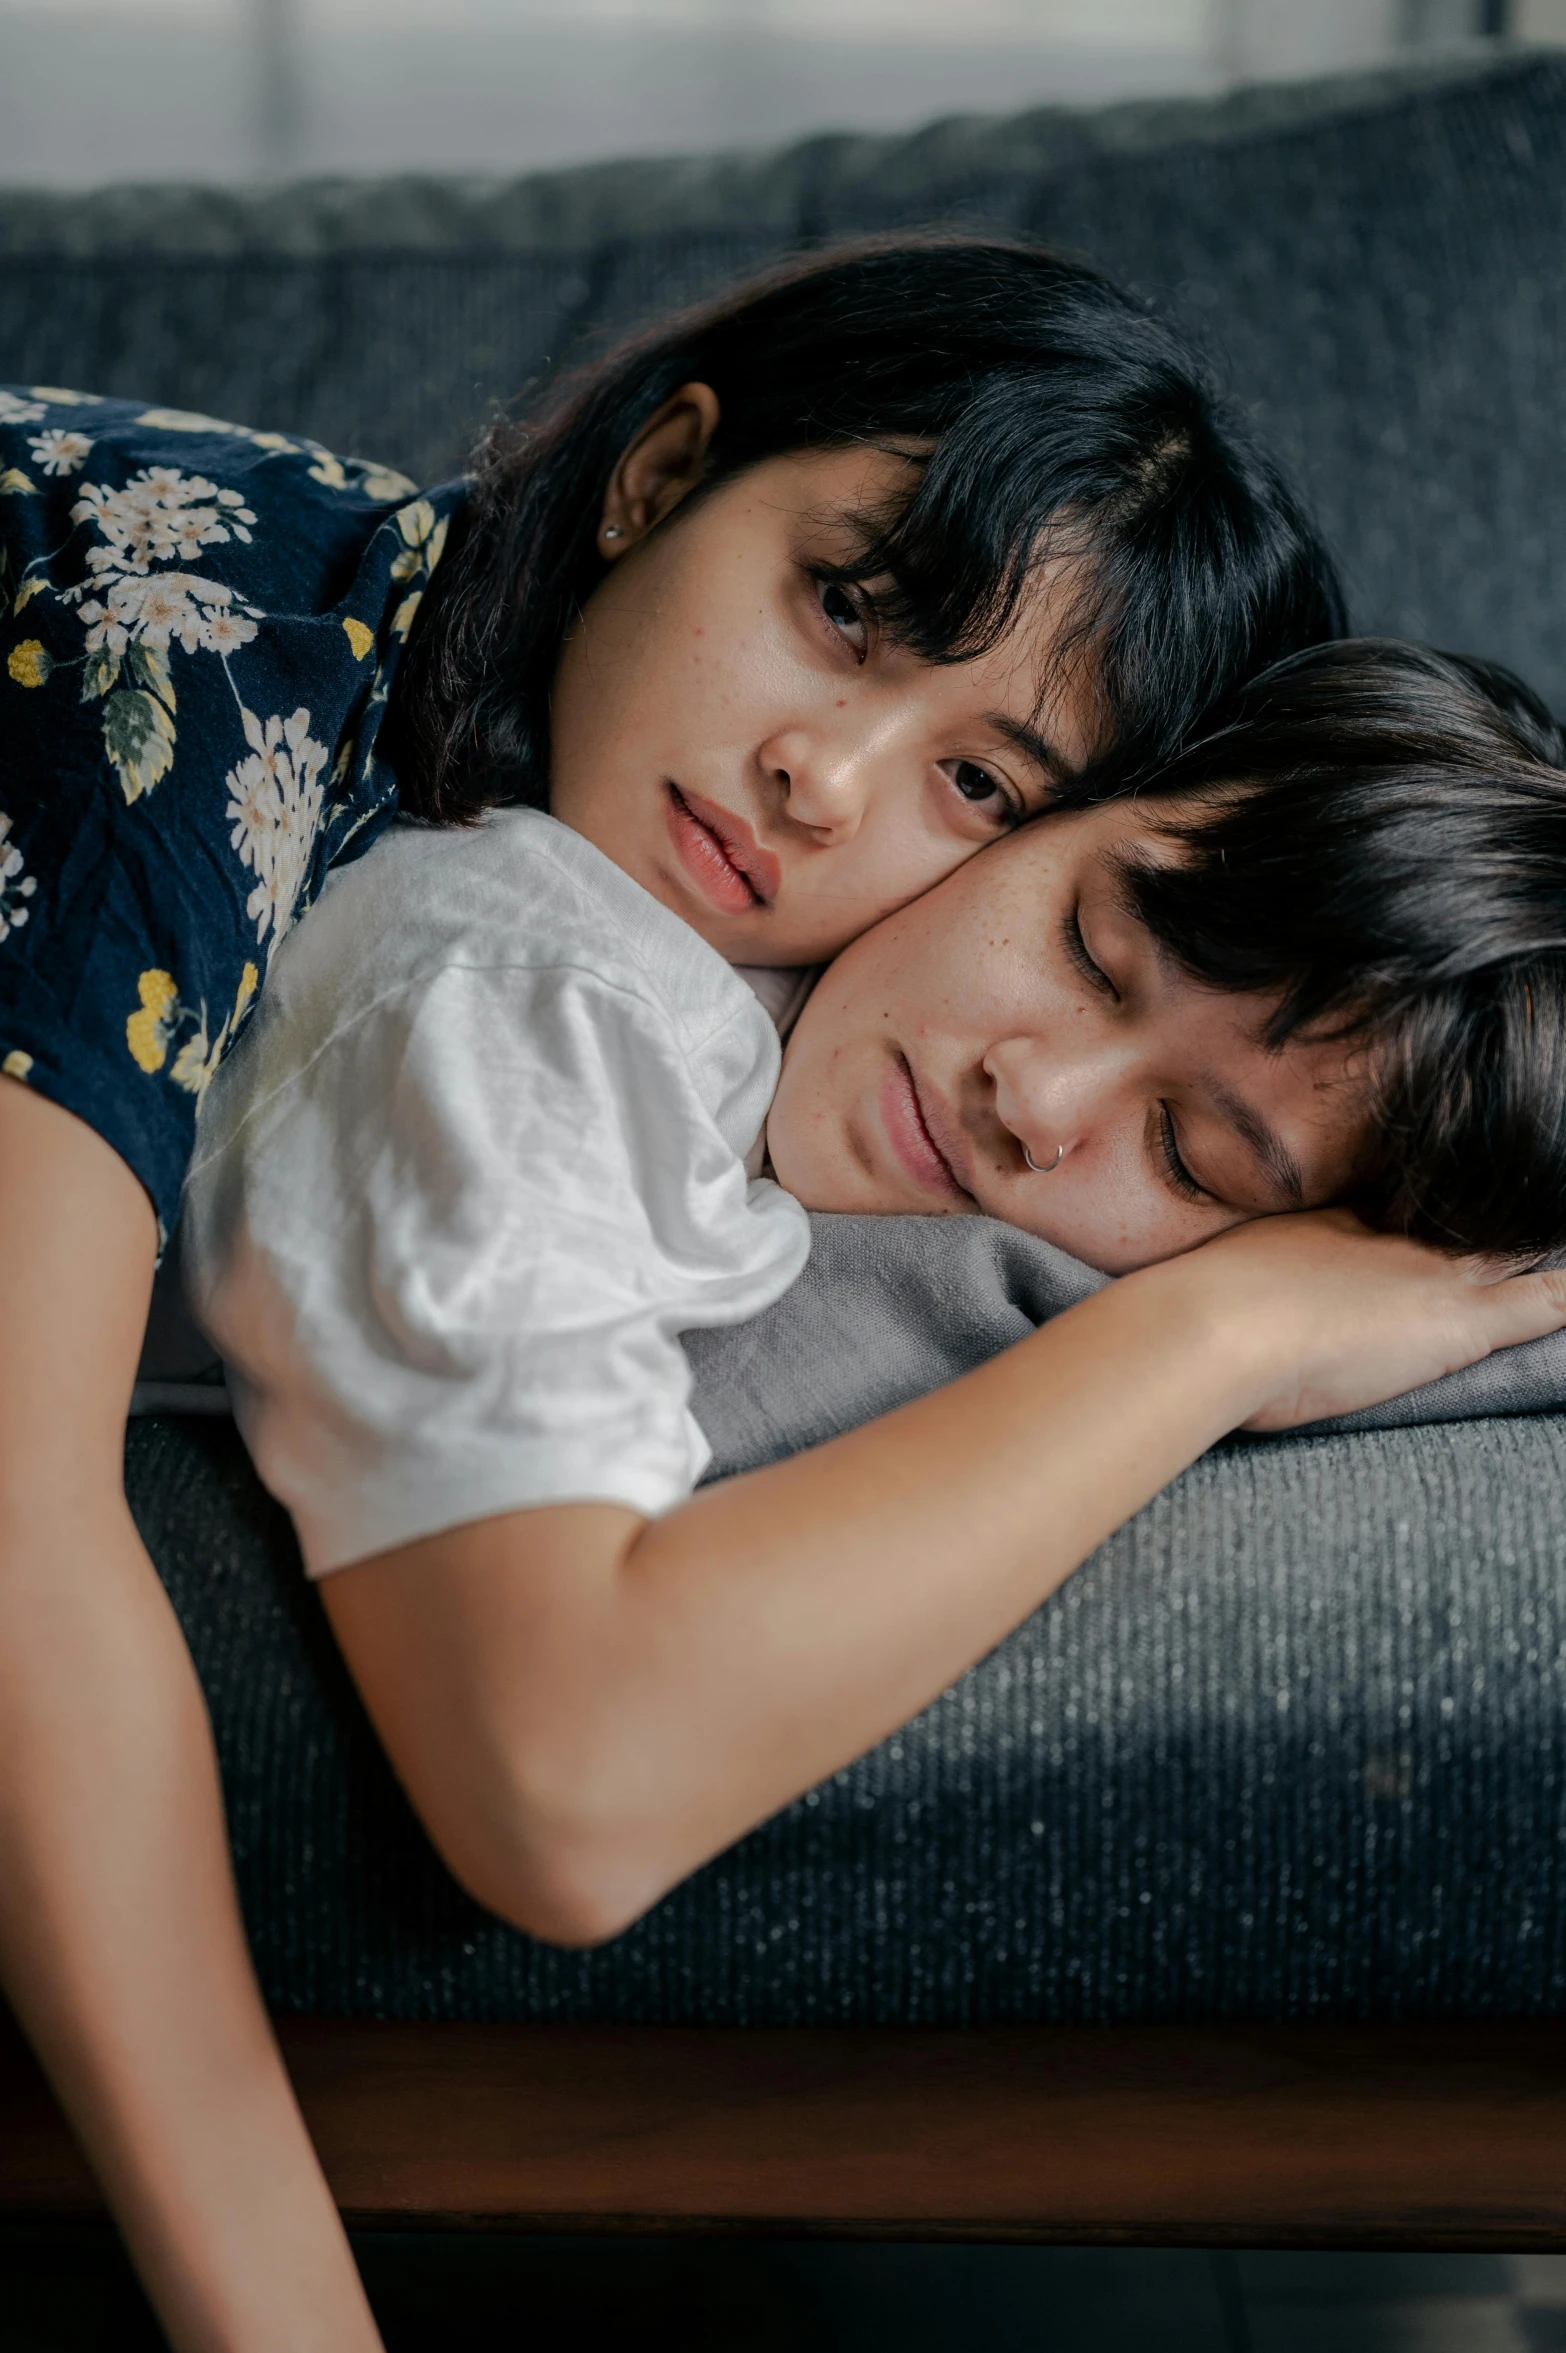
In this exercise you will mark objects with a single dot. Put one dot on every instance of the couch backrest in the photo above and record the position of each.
(1379, 264)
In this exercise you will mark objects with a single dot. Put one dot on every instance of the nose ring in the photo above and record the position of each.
(1060, 1154)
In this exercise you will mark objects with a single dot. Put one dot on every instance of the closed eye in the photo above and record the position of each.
(1174, 1167)
(1077, 949)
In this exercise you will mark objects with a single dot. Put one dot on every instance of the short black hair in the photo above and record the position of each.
(1058, 414)
(1379, 850)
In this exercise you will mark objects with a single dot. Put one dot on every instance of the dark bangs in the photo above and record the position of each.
(1382, 853)
(1150, 523)
(1051, 416)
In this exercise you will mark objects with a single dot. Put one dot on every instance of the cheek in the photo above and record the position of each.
(805, 1139)
(1112, 1215)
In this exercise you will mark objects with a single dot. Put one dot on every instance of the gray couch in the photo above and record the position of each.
(1296, 1739)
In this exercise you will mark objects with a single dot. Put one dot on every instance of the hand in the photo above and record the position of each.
(1333, 1317)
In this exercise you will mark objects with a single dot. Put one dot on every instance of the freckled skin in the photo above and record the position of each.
(1001, 1027)
(705, 660)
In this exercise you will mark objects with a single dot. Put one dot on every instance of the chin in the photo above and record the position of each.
(812, 1185)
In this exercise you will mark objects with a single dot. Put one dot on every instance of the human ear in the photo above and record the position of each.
(664, 461)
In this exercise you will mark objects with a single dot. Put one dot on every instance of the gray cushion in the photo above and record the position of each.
(889, 1307)
(1294, 1741)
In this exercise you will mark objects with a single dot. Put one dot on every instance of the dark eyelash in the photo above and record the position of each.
(1077, 949)
(1179, 1175)
(857, 594)
(1012, 811)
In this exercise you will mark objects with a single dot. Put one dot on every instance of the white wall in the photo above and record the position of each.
(93, 90)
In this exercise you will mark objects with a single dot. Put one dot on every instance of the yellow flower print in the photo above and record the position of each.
(186, 421)
(28, 590)
(384, 482)
(416, 522)
(360, 638)
(29, 663)
(417, 525)
(17, 1064)
(14, 484)
(402, 619)
(195, 1065)
(328, 471)
(147, 1032)
(425, 538)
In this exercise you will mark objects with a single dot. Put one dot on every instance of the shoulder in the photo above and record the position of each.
(157, 483)
(518, 893)
(486, 970)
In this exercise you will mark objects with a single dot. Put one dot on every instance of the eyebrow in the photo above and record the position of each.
(1265, 1142)
(1032, 745)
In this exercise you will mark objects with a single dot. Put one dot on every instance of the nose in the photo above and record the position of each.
(1054, 1098)
(823, 786)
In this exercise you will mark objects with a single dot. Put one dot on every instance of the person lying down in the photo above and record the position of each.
(1278, 1040)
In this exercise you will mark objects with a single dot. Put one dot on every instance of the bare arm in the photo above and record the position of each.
(584, 1705)
(120, 1939)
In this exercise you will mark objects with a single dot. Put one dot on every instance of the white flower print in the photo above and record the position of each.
(16, 411)
(273, 811)
(164, 607)
(134, 615)
(225, 632)
(59, 452)
(160, 513)
(15, 887)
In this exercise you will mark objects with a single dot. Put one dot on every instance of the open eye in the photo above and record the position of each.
(844, 608)
(982, 789)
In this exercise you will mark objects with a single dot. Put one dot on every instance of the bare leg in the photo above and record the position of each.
(120, 1939)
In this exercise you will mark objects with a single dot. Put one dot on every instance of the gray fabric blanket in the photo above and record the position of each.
(887, 1308)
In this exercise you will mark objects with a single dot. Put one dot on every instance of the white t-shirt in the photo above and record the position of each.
(478, 1161)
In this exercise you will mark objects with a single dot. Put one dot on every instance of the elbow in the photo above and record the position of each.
(568, 1895)
(556, 1850)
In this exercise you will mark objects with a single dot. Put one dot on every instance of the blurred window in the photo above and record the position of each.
(94, 90)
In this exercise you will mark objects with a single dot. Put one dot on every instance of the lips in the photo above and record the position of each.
(923, 1137)
(721, 855)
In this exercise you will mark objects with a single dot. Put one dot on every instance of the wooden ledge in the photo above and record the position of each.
(1443, 2135)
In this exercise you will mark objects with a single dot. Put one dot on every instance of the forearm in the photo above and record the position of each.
(657, 1688)
(121, 1945)
(123, 1953)
(781, 1623)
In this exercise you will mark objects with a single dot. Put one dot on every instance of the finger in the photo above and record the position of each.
(1525, 1307)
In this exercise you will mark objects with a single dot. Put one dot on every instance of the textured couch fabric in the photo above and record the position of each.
(1293, 1741)
(1296, 1739)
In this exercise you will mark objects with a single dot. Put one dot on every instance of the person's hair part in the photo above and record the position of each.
(1378, 849)
(1059, 418)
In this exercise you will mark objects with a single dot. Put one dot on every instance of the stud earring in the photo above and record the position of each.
(612, 531)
